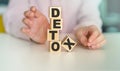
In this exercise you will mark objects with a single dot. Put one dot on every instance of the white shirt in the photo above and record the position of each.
(75, 13)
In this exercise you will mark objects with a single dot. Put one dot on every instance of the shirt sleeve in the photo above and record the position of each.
(13, 18)
(88, 14)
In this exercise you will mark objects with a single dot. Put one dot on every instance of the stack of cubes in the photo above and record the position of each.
(53, 33)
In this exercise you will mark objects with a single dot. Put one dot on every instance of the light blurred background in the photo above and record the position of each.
(110, 14)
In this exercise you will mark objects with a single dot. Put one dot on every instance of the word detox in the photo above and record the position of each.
(53, 33)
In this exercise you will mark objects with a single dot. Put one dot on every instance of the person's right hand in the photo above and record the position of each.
(37, 25)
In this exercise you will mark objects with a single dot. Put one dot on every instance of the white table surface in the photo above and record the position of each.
(21, 55)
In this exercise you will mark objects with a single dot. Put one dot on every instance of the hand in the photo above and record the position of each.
(90, 37)
(37, 25)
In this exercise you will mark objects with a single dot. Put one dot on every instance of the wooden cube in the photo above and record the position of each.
(68, 43)
(55, 46)
(56, 23)
(52, 35)
(55, 12)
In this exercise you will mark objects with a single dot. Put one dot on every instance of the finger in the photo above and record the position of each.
(98, 40)
(26, 13)
(99, 44)
(93, 36)
(38, 13)
(33, 9)
(26, 31)
(27, 22)
(83, 40)
(29, 14)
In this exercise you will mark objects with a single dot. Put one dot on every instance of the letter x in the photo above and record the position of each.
(70, 44)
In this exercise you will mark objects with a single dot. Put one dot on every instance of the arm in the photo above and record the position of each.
(13, 18)
(88, 30)
(89, 14)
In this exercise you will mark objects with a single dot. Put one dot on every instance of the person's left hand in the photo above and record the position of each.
(91, 37)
